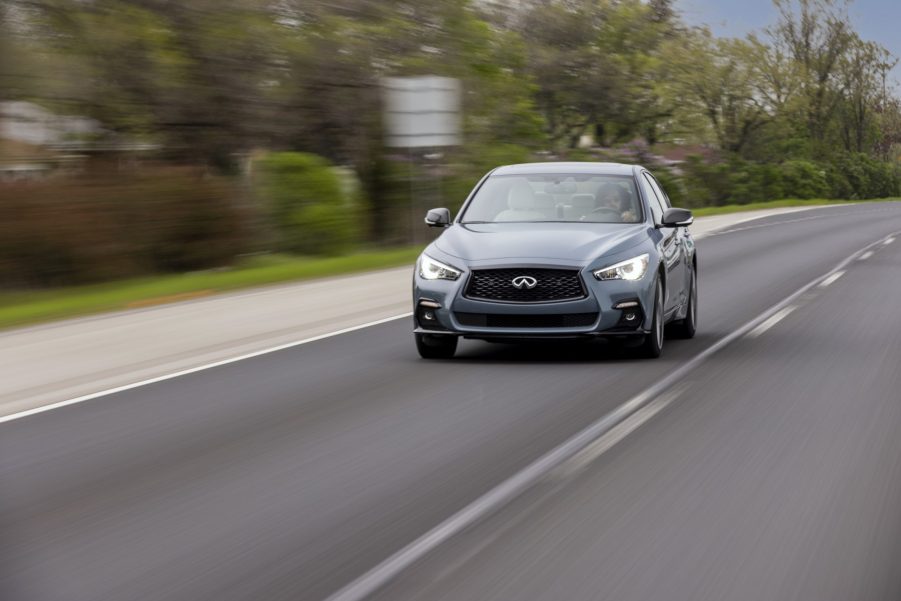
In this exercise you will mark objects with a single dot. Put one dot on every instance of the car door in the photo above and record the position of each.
(686, 242)
(670, 247)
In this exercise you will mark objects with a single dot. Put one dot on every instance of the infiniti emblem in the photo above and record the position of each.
(524, 281)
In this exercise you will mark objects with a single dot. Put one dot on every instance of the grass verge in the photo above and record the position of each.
(29, 307)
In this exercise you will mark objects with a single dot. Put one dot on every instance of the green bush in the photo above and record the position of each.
(858, 176)
(100, 227)
(312, 213)
(705, 184)
(771, 182)
(737, 181)
(803, 179)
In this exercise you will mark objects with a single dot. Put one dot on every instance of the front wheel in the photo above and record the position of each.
(432, 346)
(652, 345)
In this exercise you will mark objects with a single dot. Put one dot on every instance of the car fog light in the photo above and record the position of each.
(428, 316)
(625, 305)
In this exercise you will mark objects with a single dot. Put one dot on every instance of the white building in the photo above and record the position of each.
(32, 124)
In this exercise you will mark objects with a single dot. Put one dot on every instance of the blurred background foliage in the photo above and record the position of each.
(220, 127)
(98, 226)
(310, 209)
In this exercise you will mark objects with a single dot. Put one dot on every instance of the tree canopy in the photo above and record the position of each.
(212, 80)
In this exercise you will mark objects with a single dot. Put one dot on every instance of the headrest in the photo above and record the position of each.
(521, 197)
(582, 201)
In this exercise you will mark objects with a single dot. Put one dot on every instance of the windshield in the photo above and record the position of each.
(555, 197)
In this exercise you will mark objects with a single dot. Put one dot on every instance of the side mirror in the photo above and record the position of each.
(438, 218)
(677, 218)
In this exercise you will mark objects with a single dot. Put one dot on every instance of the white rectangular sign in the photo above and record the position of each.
(422, 111)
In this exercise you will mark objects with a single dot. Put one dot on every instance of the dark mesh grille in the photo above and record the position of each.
(561, 320)
(552, 285)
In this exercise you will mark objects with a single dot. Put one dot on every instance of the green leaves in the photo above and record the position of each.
(310, 210)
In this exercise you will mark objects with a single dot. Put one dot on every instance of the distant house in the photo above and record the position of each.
(30, 123)
(35, 141)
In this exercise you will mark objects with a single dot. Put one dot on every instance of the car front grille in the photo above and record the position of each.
(551, 285)
(552, 320)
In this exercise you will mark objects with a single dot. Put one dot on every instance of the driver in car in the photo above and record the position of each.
(611, 196)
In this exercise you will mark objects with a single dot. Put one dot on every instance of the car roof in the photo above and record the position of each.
(566, 167)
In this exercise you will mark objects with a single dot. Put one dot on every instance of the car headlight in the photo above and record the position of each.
(430, 269)
(631, 270)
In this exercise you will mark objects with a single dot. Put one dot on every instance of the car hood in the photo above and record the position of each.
(563, 241)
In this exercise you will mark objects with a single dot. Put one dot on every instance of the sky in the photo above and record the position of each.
(874, 20)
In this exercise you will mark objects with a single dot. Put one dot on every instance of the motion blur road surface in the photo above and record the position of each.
(774, 474)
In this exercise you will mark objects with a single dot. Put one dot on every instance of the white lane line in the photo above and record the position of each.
(888, 241)
(865, 256)
(535, 472)
(769, 323)
(586, 456)
(831, 279)
(184, 372)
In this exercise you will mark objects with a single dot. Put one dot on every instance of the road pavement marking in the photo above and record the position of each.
(865, 256)
(184, 372)
(832, 278)
(889, 240)
(769, 323)
(589, 454)
(511, 488)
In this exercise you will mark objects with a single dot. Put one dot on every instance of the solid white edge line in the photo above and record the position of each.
(769, 323)
(191, 370)
(831, 279)
(502, 494)
(593, 451)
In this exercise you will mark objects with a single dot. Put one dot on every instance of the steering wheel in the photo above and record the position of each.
(609, 210)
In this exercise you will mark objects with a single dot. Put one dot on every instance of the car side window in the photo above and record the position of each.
(664, 198)
(653, 194)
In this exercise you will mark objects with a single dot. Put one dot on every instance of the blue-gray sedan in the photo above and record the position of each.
(558, 250)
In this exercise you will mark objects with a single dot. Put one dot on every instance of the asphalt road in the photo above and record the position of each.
(775, 474)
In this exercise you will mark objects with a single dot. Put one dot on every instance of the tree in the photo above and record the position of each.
(815, 34)
(863, 94)
(573, 83)
(15, 60)
(598, 64)
(195, 76)
(721, 80)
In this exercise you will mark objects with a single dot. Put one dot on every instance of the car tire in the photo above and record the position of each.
(686, 328)
(436, 347)
(652, 345)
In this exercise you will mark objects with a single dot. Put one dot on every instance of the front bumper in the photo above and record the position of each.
(441, 308)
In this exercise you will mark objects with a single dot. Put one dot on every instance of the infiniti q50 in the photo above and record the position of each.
(560, 250)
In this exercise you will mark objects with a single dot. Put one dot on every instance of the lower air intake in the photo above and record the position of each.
(553, 320)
